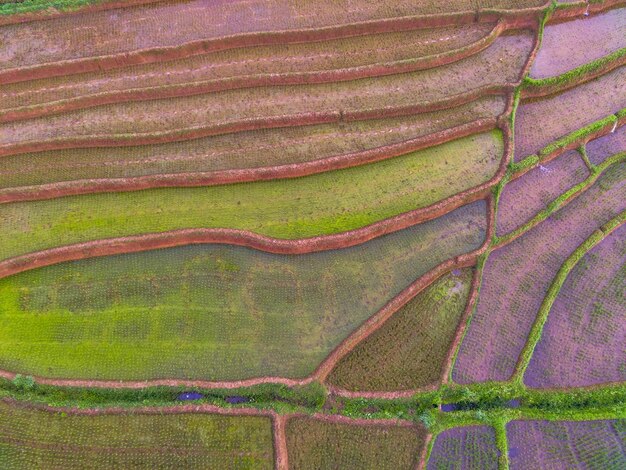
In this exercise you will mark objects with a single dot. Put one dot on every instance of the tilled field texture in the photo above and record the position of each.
(31, 438)
(322, 204)
(592, 38)
(250, 234)
(316, 443)
(506, 311)
(215, 309)
(540, 121)
(583, 340)
(524, 197)
(471, 447)
(409, 350)
(563, 444)
(322, 147)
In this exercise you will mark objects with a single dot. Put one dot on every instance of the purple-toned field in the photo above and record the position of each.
(507, 309)
(600, 149)
(170, 24)
(526, 196)
(584, 340)
(466, 448)
(541, 121)
(591, 38)
(593, 445)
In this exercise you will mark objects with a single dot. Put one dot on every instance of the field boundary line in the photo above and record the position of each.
(542, 315)
(250, 124)
(374, 322)
(193, 88)
(561, 201)
(392, 305)
(512, 19)
(543, 87)
(570, 141)
(240, 175)
(281, 453)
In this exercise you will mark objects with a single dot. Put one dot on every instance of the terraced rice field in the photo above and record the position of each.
(540, 121)
(586, 328)
(592, 38)
(33, 438)
(471, 447)
(563, 444)
(255, 234)
(315, 443)
(409, 350)
(214, 310)
(505, 312)
(602, 148)
(539, 187)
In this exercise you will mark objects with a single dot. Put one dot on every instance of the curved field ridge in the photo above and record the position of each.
(322, 442)
(408, 351)
(537, 188)
(567, 45)
(172, 31)
(541, 121)
(471, 447)
(335, 202)
(354, 142)
(216, 312)
(492, 71)
(505, 311)
(330, 61)
(567, 444)
(31, 438)
(583, 340)
(600, 149)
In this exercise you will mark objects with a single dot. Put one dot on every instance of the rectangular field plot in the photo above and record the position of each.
(214, 312)
(45, 440)
(526, 196)
(325, 203)
(351, 54)
(584, 340)
(600, 149)
(541, 121)
(173, 24)
(242, 150)
(315, 444)
(466, 448)
(591, 38)
(594, 445)
(409, 350)
(180, 118)
(505, 311)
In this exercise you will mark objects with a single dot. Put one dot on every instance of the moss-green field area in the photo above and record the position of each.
(32, 438)
(320, 204)
(213, 311)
